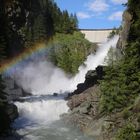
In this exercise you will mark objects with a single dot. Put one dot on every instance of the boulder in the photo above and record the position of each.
(14, 92)
(8, 113)
(11, 111)
(91, 79)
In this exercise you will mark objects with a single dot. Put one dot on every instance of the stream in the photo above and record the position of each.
(40, 114)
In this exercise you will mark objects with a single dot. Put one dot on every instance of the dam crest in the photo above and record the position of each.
(96, 35)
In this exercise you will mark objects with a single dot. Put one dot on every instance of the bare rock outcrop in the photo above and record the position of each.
(91, 79)
(8, 114)
(14, 92)
(84, 104)
(127, 20)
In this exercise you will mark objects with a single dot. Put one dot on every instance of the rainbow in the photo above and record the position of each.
(9, 64)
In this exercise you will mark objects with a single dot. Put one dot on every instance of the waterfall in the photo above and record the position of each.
(43, 79)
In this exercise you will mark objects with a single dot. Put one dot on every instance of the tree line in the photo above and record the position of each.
(120, 88)
(23, 22)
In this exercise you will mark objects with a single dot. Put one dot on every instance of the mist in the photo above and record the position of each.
(43, 78)
(40, 112)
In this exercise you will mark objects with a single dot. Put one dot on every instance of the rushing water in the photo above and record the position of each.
(40, 120)
(39, 115)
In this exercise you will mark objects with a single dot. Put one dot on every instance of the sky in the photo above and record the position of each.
(95, 14)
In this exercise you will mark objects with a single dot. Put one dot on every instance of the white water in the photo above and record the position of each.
(45, 79)
(40, 112)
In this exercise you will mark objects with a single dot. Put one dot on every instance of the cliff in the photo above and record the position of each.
(124, 32)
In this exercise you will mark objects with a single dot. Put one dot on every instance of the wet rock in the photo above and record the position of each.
(24, 93)
(83, 108)
(8, 114)
(55, 94)
(91, 79)
(11, 111)
(14, 92)
(88, 98)
(84, 104)
(10, 136)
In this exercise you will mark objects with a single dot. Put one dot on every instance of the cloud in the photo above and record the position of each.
(98, 6)
(116, 16)
(119, 1)
(83, 15)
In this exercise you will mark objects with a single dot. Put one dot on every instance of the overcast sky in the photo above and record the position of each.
(94, 14)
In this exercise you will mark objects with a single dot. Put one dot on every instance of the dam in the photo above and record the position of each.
(96, 35)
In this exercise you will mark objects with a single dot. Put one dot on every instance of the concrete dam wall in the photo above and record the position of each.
(96, 35)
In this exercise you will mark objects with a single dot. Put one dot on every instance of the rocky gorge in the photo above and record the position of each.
(83, 104)
(105, 106)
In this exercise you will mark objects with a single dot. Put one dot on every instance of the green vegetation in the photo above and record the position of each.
(120, 87)
(4, 124)
(121, 83)
(112, 57)
(69, 51)
(2, 48)
(24, 23)
(2, 54)
(3, 103)
(3, 97)
(127, 133)
(114, 32)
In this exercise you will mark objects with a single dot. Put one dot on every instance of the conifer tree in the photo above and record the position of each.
(73, 22)
(2, 57)
(3, 97)
(39, 28)
(120, 86)
(2, 48)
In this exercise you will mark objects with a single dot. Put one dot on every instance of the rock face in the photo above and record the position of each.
(13, 90)
(84, 103)
(89, 95)
(8, 111)
(91, 79)
(127, 19)
(84, 107)
(8, 114)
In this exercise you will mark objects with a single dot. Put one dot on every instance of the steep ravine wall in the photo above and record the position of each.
(127, 17)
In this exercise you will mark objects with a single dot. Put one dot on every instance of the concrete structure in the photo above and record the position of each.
(96, 35)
